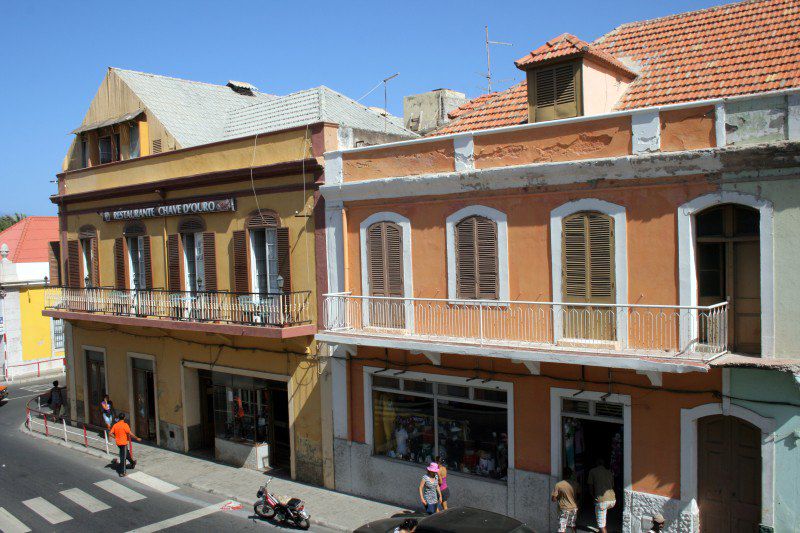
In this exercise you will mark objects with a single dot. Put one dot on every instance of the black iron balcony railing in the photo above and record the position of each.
(255, 309)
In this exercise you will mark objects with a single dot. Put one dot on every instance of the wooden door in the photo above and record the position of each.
(746, 297)
(729, 475)
(96, 386)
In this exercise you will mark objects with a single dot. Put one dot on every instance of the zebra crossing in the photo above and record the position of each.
(50, 510)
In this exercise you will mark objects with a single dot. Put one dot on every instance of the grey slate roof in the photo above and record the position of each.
(198, 113)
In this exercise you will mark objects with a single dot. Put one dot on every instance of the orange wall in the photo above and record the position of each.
(408, 160)
(655, 414)
(687, 129)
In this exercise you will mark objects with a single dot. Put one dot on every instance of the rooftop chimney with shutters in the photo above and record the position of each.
(423, 113)
(242, 87)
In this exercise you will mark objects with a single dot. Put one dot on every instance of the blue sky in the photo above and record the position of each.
(56, 54)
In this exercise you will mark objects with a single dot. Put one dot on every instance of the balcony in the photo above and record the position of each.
(619, 336)
(266, 315)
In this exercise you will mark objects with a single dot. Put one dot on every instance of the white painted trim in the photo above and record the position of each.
(687, 268)
(334, 245)
(720, 134)
(339, 389)
(464, 152)
(690, 449)
(793, 116)
(333, 167)
(646, 132)
(408, 271)
(130, 356)
(53, 349)
(502, 247)
(441, 378)
(726, 391)
(84, 348)
(555, 429)
(617, 213)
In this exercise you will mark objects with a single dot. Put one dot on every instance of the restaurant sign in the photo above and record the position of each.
(173, 209)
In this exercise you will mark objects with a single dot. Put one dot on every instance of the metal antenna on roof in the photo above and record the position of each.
(489, 59)
(386, 99)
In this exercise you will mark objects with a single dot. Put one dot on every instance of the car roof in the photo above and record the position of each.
(469, 520)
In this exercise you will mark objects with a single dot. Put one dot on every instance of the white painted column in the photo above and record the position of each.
(793, 116)
(464, 149)
(646, 130)
(719, 124)
(70, 360)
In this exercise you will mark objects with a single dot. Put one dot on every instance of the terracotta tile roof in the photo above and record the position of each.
(741, 48)
(28, 239)
(566, 46)
(469, 106)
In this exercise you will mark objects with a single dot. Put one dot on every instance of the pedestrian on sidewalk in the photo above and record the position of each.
(122, 434)
(56, 400)
(601, 483)
(658, 524)
(443, 482)
(429, 491)
(565, 494)
(107, 408)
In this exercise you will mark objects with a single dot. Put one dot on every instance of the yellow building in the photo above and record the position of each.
(30, 344)
(192, 251)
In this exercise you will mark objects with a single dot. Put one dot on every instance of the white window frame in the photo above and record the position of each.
(254, 263)
(408, 270)
(687, 262)
(140, 248)
(199, 272)
(506, 386)
(86, 249)
(501, 220)
(54, 348)
(618, 215)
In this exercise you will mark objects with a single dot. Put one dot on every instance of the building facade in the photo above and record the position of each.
(190, 230)
(593, 265)
(30, 344)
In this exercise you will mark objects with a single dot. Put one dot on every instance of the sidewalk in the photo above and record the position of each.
(327, 508)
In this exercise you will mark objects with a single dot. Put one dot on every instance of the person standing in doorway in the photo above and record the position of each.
(122, 435)
(429, 491)
(56, 400)
(658, 524)
(107, 409)
(565, 494)
(601, 483)
(443, 482)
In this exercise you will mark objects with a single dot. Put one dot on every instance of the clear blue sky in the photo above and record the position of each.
(55, 54)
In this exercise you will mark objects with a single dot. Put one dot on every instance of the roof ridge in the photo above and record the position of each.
(174, 78)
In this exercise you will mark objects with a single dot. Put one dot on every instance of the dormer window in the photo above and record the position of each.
(555, 92)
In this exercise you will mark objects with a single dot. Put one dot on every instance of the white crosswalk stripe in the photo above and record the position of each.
(47, 510)
(152, 482)
(9, 523)
(87, 501)
(120, 491)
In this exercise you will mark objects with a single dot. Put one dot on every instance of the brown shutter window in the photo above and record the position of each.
(54, 262)
(385, 259)
(555, 92)
(120, 274)
(477, 270)
(241, 278)
(588, 258)
(284, 258)
(148, 264)
(174, 277)
(94, 246)
(209, 261)
(74, 264)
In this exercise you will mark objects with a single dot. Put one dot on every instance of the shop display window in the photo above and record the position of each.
(241, 409)
(415, 420)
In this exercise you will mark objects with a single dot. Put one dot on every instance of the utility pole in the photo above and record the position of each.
(489, 59)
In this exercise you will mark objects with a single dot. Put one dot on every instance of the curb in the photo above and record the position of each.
(102, 455)
(28, 379)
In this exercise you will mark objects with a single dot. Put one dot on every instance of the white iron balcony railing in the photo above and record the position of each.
(696, 333)
(285, 309)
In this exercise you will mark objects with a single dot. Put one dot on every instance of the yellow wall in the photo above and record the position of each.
(36, 334)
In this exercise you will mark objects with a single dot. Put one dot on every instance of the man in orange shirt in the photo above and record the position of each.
(121, 431)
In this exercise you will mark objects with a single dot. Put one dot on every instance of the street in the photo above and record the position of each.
(47, 487)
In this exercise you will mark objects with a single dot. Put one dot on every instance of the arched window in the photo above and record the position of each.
(588, 258)
(385, 259)
(477, 270)
(137, 264)
(199, 257)
(87, 235)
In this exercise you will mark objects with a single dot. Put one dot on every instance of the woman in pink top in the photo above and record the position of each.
(443, 481)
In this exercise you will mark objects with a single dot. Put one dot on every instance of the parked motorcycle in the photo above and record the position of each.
(270, 507)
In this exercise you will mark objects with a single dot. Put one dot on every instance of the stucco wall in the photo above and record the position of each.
(36, 329)
(687, 129)
(409, 160)
(602, 87)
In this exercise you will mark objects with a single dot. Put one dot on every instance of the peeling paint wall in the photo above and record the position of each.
(756, 121)
(407, 160)
(687, 129)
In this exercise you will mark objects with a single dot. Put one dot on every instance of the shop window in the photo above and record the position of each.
(249, 410)
(416, 420)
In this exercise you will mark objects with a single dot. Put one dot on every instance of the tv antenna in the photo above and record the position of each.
(489, 43)
(386, 99)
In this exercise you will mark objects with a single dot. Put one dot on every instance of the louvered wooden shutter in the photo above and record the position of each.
(588, 258)
(148, 263)
(241, 278)
(284, 258)
(385, 260)
(174, 262)
(556, 92)
(120, 279)
(209, 261)
(477, 270)
(94, 246)
(54, 262)
(74, 263)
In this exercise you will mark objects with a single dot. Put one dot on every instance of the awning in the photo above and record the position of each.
(108, 122)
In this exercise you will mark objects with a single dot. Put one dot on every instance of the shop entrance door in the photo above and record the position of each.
(144, 399)
(95, 385)
(206, 411)
(729, 476)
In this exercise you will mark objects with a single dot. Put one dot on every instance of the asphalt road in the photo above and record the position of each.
(41, 480)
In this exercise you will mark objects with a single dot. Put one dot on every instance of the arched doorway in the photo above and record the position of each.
(729, 474)
(728, 268)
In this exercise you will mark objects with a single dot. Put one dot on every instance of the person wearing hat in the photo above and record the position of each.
(658, 524)
(429, 492)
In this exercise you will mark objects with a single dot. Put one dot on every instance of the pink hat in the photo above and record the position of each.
(433, 467)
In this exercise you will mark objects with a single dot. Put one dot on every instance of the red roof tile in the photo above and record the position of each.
(28, 239)
(743, 48)
(566, 46)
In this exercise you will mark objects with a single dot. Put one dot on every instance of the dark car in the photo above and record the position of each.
(456, 520)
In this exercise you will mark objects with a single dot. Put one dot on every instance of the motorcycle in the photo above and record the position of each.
(269, 506)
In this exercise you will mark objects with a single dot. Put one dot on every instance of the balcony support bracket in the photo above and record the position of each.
(654, 377)
(534, 367)
(434, 357)
(343, 350)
